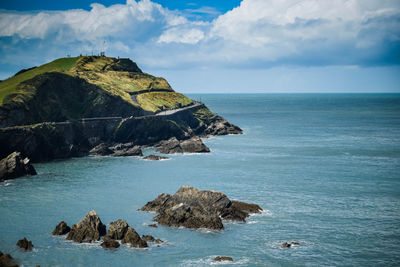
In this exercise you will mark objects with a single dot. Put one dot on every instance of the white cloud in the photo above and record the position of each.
(258, 33)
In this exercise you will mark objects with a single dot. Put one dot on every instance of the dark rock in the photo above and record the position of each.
(155, 157)
(25, 244)
(153, 225)
(14, 166)
(127, 151)
(61, 229)
(7, 261)
(220, 126)
(149, 238)
(88, 230)
(289, 244)
(101, 150)
(110, 243)
(223, 258)
(117, 229)
(132, 237)
(173, 145)
(246, 207)
(193, 208)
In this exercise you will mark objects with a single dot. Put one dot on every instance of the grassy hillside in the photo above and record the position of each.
(33, 95)
(157, 101)
(8, 87)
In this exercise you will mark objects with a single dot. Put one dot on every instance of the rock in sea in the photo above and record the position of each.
(25, 244)
(155, 157)
(14, 166)
(87, 230)
(192, 145)
(223, 258)
(193, 208)
(120, 230)
(61, 229)
(7, 261)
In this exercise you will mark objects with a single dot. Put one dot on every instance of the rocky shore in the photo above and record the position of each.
(193, 208)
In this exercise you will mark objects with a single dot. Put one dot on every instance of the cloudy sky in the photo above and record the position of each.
(218, 46)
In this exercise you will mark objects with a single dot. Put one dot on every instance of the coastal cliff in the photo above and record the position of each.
(67, 107)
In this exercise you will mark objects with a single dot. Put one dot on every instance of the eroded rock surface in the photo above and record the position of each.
(192, 145)
(87, 230)
(193, 208)
(25, 244)
(14, 166)
(223, 258)
(155, 157)
(61, 229)
(7, 261)
(132, 237)
(110, 243)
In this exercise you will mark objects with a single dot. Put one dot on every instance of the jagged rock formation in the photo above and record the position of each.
(25, 244)
(61, 229)
(149, 238)
(193, 208)
(14, 166)
(110, 243)
(7, 261)
(120, 230)
(87, 230)
(192, 145)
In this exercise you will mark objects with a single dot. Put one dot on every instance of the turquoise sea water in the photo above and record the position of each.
(326, 169)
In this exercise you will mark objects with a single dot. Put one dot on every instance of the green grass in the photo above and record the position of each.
(157, 101)
(8, 87)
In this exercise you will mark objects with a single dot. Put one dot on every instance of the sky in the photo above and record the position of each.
(217, 46)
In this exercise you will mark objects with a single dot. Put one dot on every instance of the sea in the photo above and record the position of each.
(325, 168)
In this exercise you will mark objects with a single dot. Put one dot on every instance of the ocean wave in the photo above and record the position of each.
(210, 261)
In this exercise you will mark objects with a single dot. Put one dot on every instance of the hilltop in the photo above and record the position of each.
(70, 106)
(85, 86)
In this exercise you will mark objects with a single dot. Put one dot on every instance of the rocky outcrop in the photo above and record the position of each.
(193, 208)
(220, 126)
(7, 261)
(88, 230)
(25, 244)
(120, 230)
(155, 157)
(133, 238)
(101, 150)
(61, 229)
(117, 229)
(14, 166)
(223, 258)
(149, 238)
(192, 145)
(289, 244)
(110, 243)
(126, 150)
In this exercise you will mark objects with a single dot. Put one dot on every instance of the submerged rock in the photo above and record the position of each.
(192, 145)
(7, 261)
(290, 244)
(149, 238)
(14, 166)
(155, 157)
(61, 229)
(193, 208)
(110, 243)
(25, 244)
(88, 230)
(223, 258)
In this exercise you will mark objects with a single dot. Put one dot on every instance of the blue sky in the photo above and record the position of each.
(213, 46)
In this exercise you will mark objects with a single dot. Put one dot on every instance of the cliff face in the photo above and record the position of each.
(55, 97)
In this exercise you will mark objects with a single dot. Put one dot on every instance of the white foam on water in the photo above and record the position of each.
(210, 261)
(6, 183)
